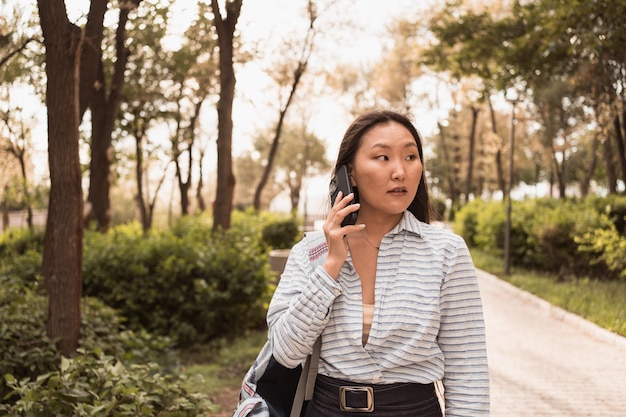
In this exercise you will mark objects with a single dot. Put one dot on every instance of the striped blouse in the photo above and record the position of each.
(428, 320)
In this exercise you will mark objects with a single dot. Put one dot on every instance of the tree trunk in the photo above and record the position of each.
(472, 145)
(91, 55)
(498, 157)
(619, 139)
(28, 204)
(141, 205)
(62, 257)
(199, 189)
(277, 132)
(5, 209)
(104, 112)
(586, 181)
(559, 169)
(186, 138)
(225, 178)
(611, 175)
(448, 170)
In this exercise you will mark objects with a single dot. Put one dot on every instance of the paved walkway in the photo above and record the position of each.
(544, 361)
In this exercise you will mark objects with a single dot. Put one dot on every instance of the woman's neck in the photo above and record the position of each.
(377, 226)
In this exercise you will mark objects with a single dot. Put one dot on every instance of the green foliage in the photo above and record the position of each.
(614, 206)
(187, 283)
(15, 242)
(25, 349)
(608, 247)
(93, 383)
(547, 234)
(223, 363)
(281, 234)
(20, 253)
(555, 230)
(490, 226)
(466, 221)
(27, 352)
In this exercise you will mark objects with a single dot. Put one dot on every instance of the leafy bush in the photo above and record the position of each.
(20, 253)
(466, 221)
(19, 241)
(280, 234)
(27, 351)
(544, 234)
(556, 229)
(614, 206)
(491, 227)
(93, 383)
(188, 283)
(608, 247)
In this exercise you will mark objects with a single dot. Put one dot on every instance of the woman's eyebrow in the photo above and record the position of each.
(410, 144)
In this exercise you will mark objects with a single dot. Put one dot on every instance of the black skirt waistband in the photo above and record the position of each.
(355, 397)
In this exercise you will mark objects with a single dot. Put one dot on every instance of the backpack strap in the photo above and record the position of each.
(318, 250)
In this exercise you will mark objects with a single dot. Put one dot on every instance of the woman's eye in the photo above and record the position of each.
(382, 157)
(411, 157)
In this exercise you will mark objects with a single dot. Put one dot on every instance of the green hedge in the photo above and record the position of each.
(188, 282)
(31, 366)
(280, 234)
(94, 384)
(563, 237)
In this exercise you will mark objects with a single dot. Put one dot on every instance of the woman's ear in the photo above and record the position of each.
(350, 170)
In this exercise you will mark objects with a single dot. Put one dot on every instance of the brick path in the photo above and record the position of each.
(544, 361)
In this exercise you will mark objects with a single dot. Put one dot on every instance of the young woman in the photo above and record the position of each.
(396, 301)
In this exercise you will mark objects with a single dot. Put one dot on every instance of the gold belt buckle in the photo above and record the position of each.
(369, 392)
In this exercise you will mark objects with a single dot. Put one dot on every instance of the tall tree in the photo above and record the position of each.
(193, 77)
(15, 140)
(468, 47)
(146, 103)
(289, 74)
(103, 95)
(63, 248)
(225, 27)
(301, 154)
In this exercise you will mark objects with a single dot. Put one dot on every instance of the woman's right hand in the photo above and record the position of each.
(336, 234)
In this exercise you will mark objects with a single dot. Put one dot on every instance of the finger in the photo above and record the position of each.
(342, 201)
(338, 197)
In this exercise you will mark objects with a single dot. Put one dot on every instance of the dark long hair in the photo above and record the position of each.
(420, 206)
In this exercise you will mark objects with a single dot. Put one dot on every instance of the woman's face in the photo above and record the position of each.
(387, 171)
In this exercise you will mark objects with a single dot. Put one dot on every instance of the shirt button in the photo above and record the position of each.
(376, 379)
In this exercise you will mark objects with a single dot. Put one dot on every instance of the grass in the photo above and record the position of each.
(218, 369)
(601, 302)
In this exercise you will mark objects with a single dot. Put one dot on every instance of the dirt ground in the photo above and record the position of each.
(226, 399)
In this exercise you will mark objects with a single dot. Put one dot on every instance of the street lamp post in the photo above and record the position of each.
(507, 232)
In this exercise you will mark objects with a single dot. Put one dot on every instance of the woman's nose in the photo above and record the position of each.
(398, 172)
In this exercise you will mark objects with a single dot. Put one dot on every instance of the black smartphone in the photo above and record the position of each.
(341, 182)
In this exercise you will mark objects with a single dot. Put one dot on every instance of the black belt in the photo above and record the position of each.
(355, 397)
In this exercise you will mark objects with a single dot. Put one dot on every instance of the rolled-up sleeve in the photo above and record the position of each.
(462, 338)
(300, 307)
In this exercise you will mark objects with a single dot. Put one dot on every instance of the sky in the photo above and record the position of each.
(265, 21)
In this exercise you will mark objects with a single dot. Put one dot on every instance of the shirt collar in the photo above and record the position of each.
(408, 223)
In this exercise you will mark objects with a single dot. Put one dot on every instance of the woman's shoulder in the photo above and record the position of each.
(312, 246)
(440, 231)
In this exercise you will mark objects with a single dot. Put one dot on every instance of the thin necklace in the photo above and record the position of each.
(368, 241)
